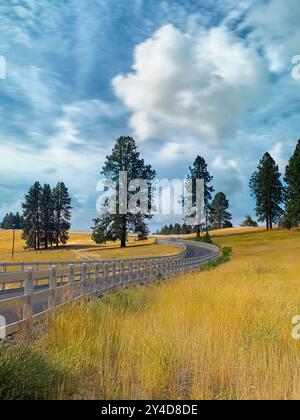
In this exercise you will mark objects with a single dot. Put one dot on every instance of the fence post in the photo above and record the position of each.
(130, 269)
(52, 289)
(71, 274)
(106, 275)
(122, 271)
(96, 278)
(83, 279)
(28, 292)
(113, 277)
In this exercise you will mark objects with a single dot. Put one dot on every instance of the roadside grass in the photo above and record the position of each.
(211, 334)
(81, 247)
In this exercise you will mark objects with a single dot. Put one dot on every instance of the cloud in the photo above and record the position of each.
(201, 84)
(277, 153)
(228, 175)
(275, 29)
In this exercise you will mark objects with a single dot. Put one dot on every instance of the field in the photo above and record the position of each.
(219, 232)
(80, 247)
(223, 333)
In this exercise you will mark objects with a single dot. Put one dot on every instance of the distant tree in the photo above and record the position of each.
(8, 221)
(199, 170)
(46, 215)
(12, 221)
(292, 179)
(124, 158)
(185, 229)
(249, 222)
(18, 221)
(219, 216)
(177, 229)
(170, 229)
(61, 213)
(285, 224)
(32, 217)
(267, 189)
(142, 231)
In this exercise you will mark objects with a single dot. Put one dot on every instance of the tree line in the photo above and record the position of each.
(12, 221)
(277, 197)
(47, 215)
(126, 157)
(176, 229)
(218, 218)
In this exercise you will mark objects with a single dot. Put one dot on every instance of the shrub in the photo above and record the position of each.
(205, 239)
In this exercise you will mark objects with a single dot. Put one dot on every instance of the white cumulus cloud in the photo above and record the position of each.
(201, 85)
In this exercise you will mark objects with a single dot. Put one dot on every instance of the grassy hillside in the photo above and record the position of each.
(218, 334)
(80, 246)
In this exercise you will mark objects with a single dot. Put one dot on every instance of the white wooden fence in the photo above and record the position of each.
(43, 265)
(40, 291)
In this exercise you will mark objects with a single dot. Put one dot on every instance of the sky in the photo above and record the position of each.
(183, 77)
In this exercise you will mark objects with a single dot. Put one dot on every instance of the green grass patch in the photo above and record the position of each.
(226, 256)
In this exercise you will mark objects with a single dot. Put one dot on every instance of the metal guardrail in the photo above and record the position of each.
(44, 290)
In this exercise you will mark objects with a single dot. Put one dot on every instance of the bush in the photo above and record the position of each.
(205, 239)
(226, 254)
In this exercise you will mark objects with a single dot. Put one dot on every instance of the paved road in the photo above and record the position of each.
(41, 304)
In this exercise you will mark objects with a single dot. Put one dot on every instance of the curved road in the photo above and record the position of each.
(193, 251)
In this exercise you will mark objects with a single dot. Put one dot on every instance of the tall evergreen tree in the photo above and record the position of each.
(47, 222)
(199, 170)
(32, 217)
(267, 189)
(61, 213)
(219, 216)
(124, 158)
(292, 179)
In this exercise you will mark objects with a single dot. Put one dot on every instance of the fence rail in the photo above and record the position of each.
(42, 265)
(40, 291)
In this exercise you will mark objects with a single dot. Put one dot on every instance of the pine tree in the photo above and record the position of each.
(12, 221)
(267, 189)
(61, 213)
(47, 222)
(124, 158)
(219, 216)
(32, 216)
(199, 170)
(292, 179)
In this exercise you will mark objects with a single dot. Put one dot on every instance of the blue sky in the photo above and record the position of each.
(183, 77)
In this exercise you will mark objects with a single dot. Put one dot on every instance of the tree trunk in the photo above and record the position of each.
(198, 231)
(123, 242)
(123, 233)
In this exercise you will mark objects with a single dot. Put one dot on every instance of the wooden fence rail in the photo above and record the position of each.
(41, 265)
(44, 290)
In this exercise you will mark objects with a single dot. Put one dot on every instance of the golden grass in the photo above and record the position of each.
(219, 334)
(80, 246)
(219, 232)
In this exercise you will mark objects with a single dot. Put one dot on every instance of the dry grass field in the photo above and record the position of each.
(219, 232)
(80, 247)
(215, 334)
